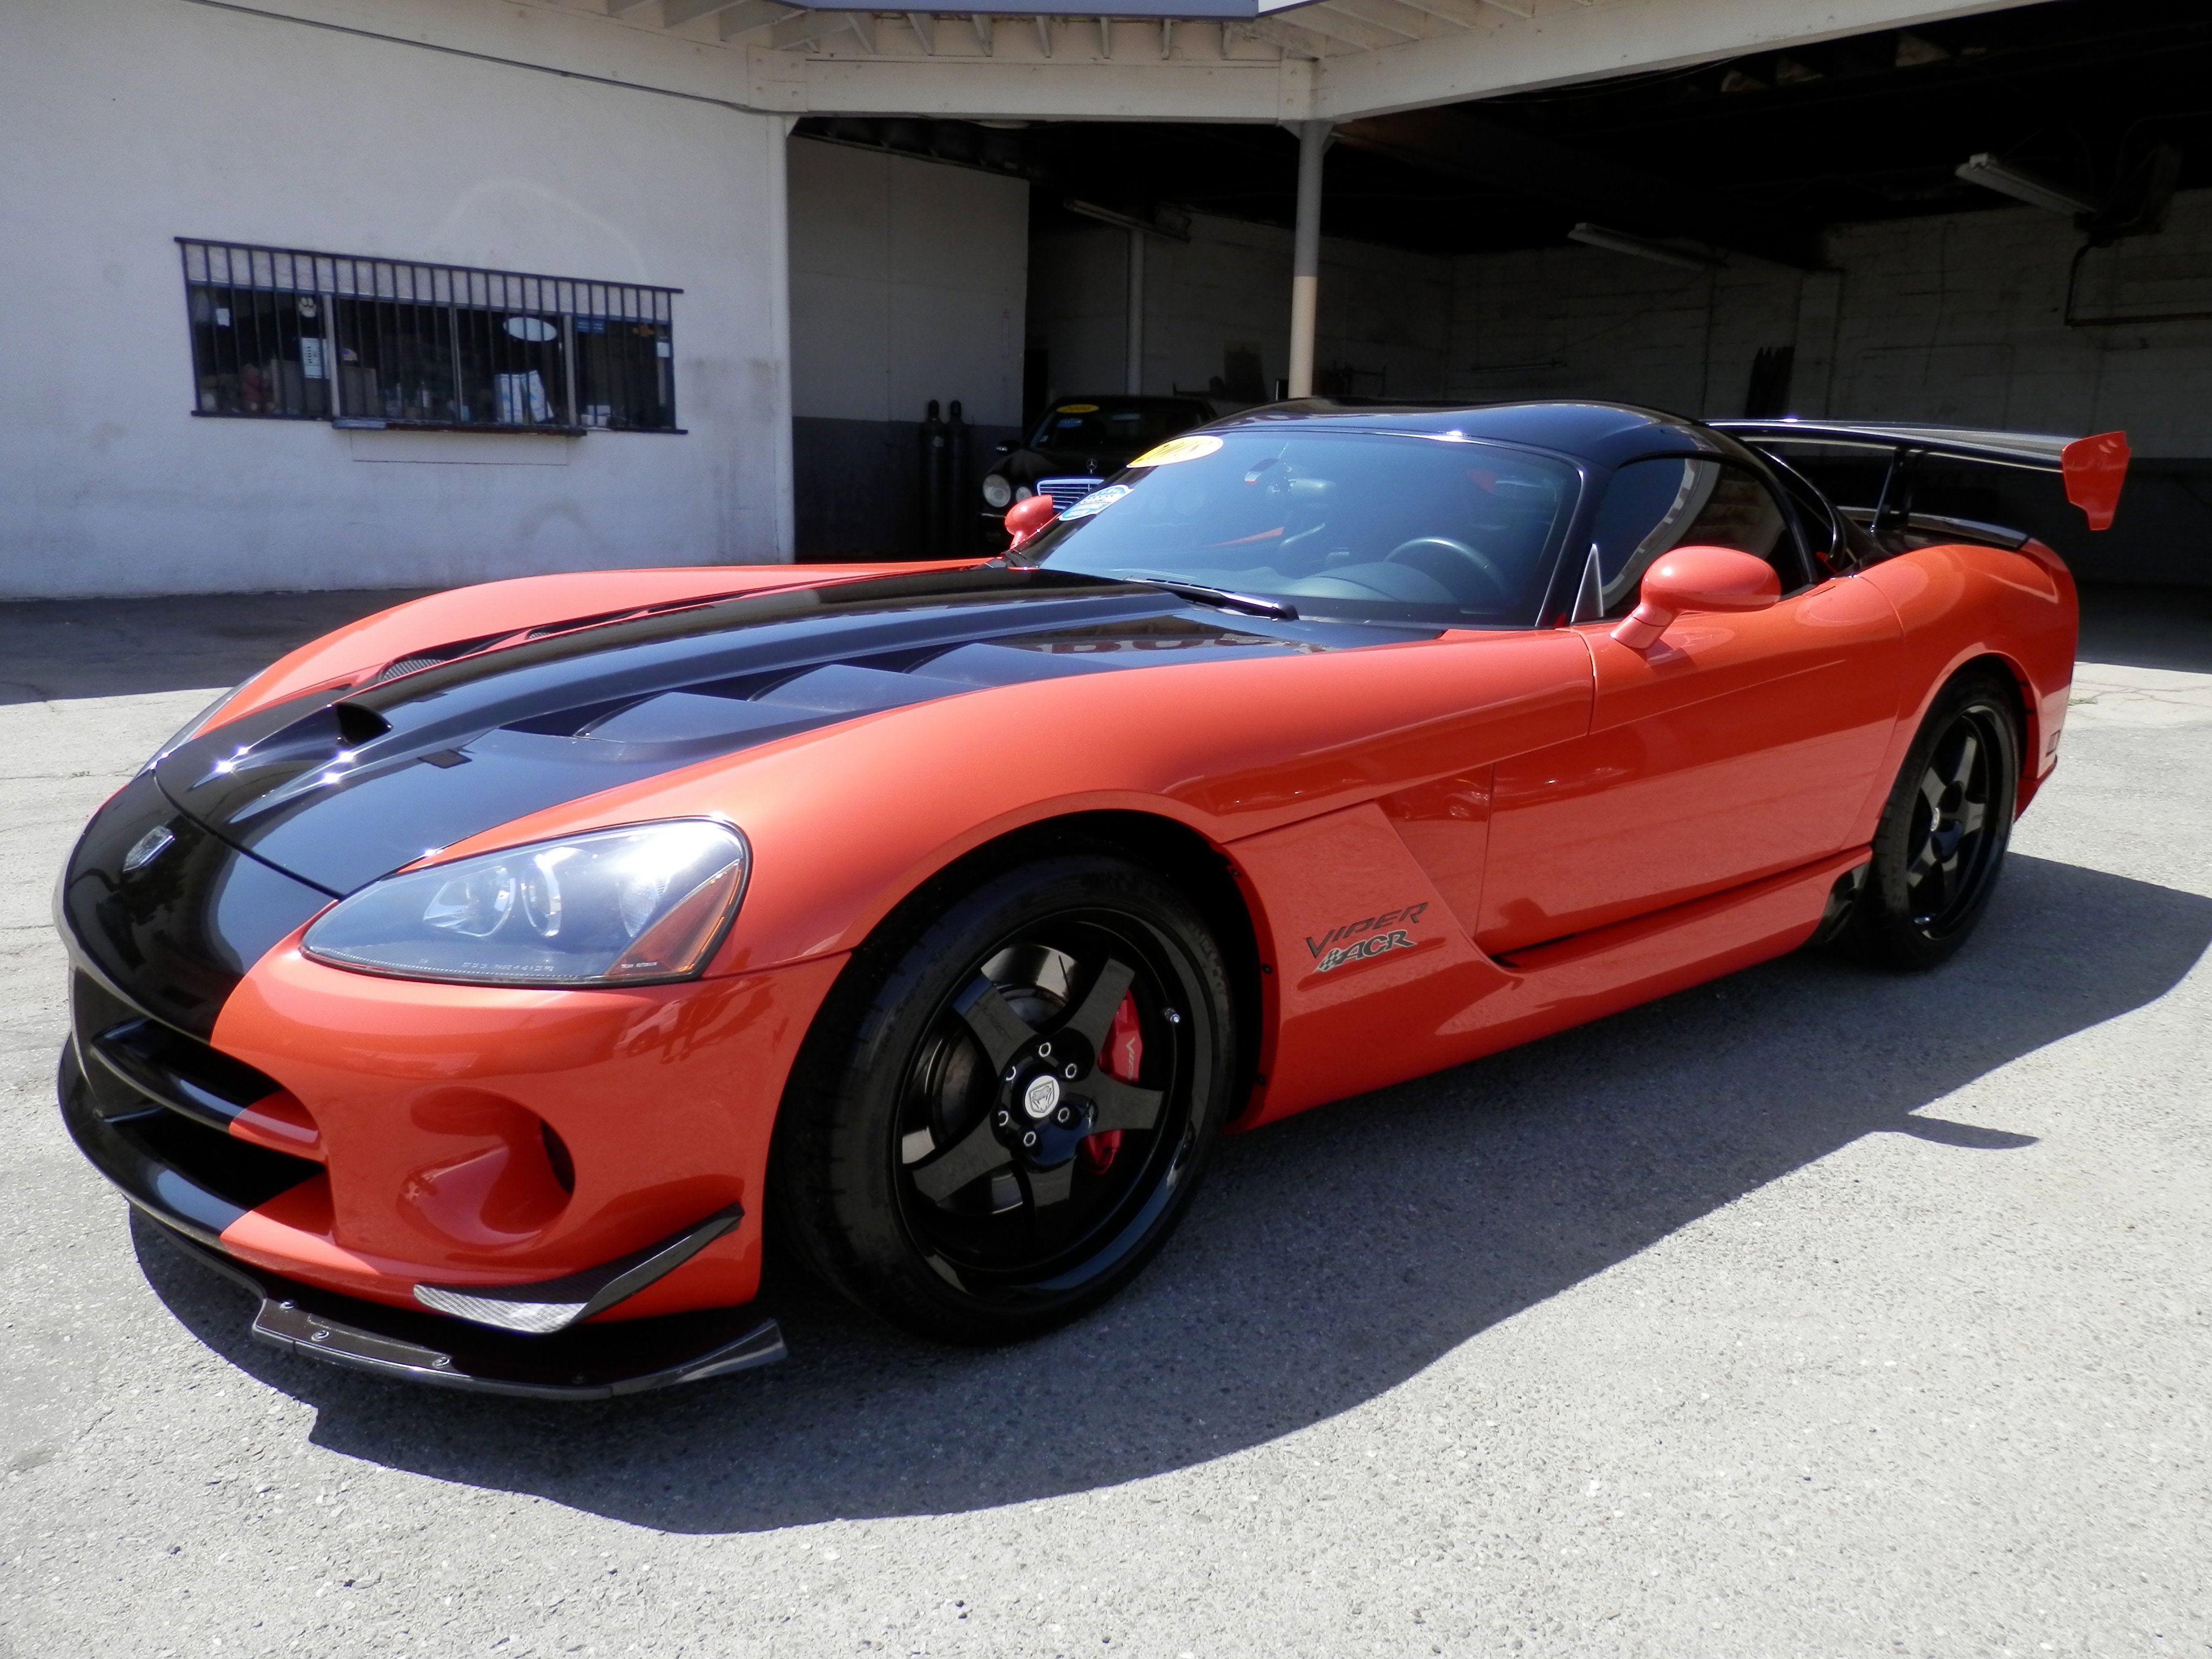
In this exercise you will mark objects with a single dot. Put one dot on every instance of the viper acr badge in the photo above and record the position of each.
(1396, 939)
(1370, 936)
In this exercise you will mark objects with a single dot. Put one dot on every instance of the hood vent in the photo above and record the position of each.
(431, 657)
(834, 691)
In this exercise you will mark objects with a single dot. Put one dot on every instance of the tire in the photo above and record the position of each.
(1941, 844)
(901, 1171)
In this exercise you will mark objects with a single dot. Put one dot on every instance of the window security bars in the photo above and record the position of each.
(285, 334)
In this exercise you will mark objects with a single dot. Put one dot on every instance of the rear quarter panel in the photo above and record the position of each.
(1960, 602)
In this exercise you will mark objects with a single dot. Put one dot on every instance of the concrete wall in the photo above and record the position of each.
(1383, 328)
(908, 282)
(127, 124)
(1573, 321)
(1960, 320)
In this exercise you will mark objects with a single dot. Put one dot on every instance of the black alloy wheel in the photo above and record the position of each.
(1941, 844)
(995, 1127)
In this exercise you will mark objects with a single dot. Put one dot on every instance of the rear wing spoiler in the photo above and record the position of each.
(2092, 468)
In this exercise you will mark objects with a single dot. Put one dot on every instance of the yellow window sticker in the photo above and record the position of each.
(1179, 449)
(1079, 408)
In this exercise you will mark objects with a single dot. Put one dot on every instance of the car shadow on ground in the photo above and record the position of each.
(1329, 1258)
(55, 649)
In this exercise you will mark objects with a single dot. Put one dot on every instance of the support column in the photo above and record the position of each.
(1136, 372)
(1305, 257)
(778, 216)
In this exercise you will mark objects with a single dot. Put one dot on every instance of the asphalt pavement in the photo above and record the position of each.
(1811, 1312)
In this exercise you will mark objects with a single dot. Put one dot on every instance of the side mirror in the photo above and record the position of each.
(1697, 579)
(1006, 447)
(1024, 518)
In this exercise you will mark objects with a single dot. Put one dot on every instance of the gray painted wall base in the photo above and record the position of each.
(856, 488)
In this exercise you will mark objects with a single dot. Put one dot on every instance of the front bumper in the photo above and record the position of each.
(529, 1160)
(587, 1361)
(165, 1168)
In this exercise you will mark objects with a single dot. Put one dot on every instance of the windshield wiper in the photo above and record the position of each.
(1221, 596)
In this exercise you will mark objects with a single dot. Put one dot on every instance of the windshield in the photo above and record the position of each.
(1372, 526)
(1085, 425)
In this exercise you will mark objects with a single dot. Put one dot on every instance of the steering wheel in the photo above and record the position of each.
(1441, 557)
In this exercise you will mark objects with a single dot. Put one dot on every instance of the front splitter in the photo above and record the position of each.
(585, 1362)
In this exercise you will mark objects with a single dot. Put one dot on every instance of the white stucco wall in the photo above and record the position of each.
(906, 283)
(128, 123)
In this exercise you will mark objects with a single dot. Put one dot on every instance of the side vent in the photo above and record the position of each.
(415, 662)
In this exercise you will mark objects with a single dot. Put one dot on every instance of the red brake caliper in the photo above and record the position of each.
(1122, 1057)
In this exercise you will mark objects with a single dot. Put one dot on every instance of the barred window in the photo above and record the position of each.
(286, 334)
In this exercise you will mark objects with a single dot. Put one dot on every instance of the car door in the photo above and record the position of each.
(1737, 747)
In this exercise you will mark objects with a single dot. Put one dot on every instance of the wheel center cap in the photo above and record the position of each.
(1041, 1096)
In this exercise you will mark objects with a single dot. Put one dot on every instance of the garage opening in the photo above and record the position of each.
(2002, 220)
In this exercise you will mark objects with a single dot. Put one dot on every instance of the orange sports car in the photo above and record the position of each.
(490, 983)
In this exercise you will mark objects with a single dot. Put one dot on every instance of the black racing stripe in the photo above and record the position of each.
(340, 791)
(173, 937)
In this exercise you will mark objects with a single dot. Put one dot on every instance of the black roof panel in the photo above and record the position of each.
(1607, 434)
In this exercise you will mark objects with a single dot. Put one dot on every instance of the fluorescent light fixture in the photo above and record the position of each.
(1160, 227)
(1991, 174)
(1234, 11)
(1641, 247)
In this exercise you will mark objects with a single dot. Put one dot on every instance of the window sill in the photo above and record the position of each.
(365, 423)
(368, 423)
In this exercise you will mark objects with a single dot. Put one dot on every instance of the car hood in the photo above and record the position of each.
(338, 789)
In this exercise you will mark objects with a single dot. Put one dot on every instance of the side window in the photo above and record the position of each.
(1653, 507)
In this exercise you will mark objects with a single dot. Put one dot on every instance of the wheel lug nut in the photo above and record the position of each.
(1068, 1072)
(1013, 1072)
(1029, 1138)
(1066, 1116)
(1044, 1051)
(1004, 1119)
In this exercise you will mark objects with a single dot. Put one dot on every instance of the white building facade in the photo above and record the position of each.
(410, 411)
(134, 125)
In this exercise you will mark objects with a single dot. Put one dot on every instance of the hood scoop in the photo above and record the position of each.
(332, 733)
(314, 751)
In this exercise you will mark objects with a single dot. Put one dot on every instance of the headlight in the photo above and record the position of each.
(1024, 493)
(997, 492)
(617, 906)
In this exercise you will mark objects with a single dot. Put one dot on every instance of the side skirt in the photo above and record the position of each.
(1590, 976)
(1408, 1012)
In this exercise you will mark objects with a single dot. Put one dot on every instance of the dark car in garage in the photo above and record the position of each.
(1077, 445)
